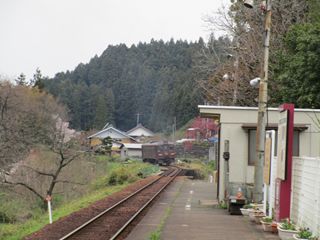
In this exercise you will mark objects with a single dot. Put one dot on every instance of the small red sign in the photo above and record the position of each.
(48, 198)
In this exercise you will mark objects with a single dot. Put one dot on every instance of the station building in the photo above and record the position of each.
(238, 125)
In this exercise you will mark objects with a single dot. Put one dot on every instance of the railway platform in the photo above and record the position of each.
(188, 210)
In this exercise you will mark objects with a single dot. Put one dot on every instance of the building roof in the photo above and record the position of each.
(139, 131)
(211, 111)
(108, 132)
(254, 108)
(132, 146)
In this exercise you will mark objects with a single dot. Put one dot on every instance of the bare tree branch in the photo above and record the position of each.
(38, 171)
(71, 182)
(245, 29)
(69, 160)
(26, 186)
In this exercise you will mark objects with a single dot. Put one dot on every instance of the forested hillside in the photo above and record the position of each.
(163, 81)
(158, 80)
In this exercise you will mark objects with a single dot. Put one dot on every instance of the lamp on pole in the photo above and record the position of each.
(262, 104)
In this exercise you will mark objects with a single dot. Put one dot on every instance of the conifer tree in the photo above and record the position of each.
(21, 80)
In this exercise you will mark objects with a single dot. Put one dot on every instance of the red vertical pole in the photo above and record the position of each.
(284, 186)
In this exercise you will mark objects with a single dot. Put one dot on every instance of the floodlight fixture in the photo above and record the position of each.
(226, 77)
(248, 3)
(254, 82)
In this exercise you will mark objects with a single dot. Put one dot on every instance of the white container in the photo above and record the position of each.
(244, 211)
(286, 234)
(252, 215)
(267, 226)
(295, 236)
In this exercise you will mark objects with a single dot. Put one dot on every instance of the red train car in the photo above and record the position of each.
(159, 153)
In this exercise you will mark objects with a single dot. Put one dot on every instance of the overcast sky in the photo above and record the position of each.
(56, 35)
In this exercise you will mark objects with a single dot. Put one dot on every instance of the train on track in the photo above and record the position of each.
(161, 153)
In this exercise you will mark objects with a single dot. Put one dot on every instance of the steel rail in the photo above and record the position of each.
(143, 207)
(114, 206)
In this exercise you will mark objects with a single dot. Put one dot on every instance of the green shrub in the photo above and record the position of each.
(147, 170)
(112, 179)
(305, 233)
(4, 218)
(102, 158)
(14, 210)
(121, 175)
(155, 235)
(223, 205)
(248, 206)
(288, 225)
(267, 219)
(211, 165)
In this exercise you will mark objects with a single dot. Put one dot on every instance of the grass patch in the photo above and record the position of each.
(202, 168)
(156, 234)
(106, 169)
(223, 205)
(127, 172)
(20, 230)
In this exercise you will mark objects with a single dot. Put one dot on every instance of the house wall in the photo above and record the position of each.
(95, 142)
(231, 121)
(135, 153)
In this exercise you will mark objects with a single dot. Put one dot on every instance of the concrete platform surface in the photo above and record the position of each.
(188, 210)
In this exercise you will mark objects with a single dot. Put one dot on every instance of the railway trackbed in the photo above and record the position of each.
(111, 223)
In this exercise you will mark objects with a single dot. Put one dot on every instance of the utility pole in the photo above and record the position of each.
(262, 105)
(138, 118)
(236, 73)
(174, 129)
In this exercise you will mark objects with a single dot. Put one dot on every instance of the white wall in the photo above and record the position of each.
(135, 153)
(231, 121)
(305, 205)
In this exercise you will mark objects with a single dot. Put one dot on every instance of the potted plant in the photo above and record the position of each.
(286, 229)
(274, 227)
(245, 209)
(252, 214)
(257, 205)
(304, 234)
(258, 216)
(266, 224)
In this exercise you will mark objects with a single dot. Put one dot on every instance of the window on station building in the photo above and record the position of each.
(252, 145)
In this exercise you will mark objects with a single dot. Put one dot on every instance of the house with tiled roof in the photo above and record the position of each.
(110, 131)
(140, 132)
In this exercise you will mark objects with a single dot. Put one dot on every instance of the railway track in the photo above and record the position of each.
(111, 223)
